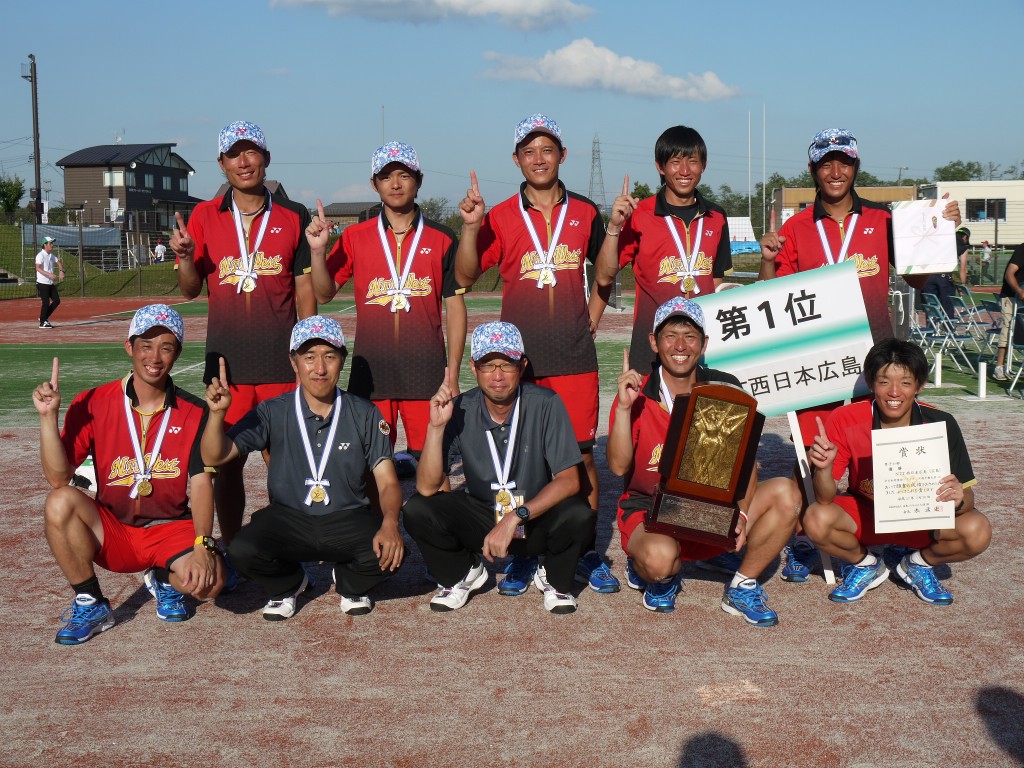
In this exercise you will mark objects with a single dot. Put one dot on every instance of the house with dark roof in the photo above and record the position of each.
(344, 214)
(132, 186)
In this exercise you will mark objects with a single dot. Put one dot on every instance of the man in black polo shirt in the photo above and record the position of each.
(521, 463)
(323, 441)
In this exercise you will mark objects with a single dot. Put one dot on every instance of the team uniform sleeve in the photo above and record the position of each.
(339, 262)
(202, 259)
(597, 235)
(837, 434)
(78, 435)
(376, 445)
(959, 460)
(252, 432)
(449, 285)
(302, 261)
(195, 459)
(786, 263)
(629, 241)
(489, 244)
(723, 258)
(561, 450)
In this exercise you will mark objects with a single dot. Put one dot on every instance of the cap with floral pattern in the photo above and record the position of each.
(240, 130)
(679, 307)
(394, 152)
(537, 123)
(157, 315)
(496, 337)
(832, 140)
(317, 327)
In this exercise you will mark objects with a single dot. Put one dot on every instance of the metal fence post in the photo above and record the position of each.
(81, 257)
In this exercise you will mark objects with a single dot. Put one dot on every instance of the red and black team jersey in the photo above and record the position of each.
(95, 424)
(398, 355)
(552, 319)
(647, 244)
(251, 330)
(870, 247)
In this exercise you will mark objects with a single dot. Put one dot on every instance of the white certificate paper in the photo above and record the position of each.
(923, 241)
(909, 464)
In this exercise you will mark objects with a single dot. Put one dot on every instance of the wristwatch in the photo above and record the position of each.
(207, 542)
(523, 513)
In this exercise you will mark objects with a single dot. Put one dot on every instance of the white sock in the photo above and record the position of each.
(918, 559)
(742, 582)
(869, 559)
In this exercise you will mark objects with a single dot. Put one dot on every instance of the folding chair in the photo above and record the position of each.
(995, 322)
(952, 335)
(969, 316)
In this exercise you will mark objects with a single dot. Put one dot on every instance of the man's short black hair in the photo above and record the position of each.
(682, 141)
(903, 354)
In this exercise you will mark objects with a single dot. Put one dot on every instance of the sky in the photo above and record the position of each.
(919, 83)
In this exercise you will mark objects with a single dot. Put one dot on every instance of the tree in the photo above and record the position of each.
(958, 170)
(434, 207)
(12, 189)
(641, 191)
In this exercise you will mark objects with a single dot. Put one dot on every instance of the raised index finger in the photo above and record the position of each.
(625, 185)
(625, 361)
(320, 209)
(181, 223)
(223, 373)
(56, 372)
(821, 428)
(473, 182)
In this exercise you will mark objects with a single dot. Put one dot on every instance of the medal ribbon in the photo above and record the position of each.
(846, 240)
(689, 259)
(246, 271)
(666, 396)
(144, 472)
(547, 258)
(317, 481)
(399, 283)
(502, 470)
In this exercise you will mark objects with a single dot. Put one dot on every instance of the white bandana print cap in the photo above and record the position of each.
(157, 315)
(832, 140)
(317, 327)
(394, 152)
(537, 123)
(240, 130)
(497, 336)
(679, 307)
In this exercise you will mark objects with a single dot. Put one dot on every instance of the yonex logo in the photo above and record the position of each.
(174, 430)
(343, 446)
(868, 230)
(424, 250)
(574, 222)
(275, 230)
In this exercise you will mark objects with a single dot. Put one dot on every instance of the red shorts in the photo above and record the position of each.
(245, 397)
(862, 511)
(127, 549)
(688, 550)
(579, 392)
(415, 418)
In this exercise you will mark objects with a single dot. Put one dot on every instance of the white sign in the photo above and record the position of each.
(909, 464)
(923, 242)
(794, 342)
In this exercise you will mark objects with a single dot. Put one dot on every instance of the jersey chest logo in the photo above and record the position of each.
(531, 264)
(261, 263)
(380, 290)
(124, 468)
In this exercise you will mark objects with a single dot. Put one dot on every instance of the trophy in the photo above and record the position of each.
(706, 464)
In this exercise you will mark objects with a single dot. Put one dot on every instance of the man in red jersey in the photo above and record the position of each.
(403, 268)
(540, 239)
(250, 249)
(144, 433)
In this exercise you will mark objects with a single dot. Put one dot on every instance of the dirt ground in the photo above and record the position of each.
(889, 681)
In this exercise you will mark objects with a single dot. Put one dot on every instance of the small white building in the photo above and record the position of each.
(992, 210)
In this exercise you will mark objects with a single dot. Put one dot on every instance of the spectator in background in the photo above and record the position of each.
(1011, 294)
(160, 252)
(49, 272)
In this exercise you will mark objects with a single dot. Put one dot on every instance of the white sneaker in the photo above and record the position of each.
(356, 606)
(284, 608)
(453, 598)
(554, 601)
(1000, 374)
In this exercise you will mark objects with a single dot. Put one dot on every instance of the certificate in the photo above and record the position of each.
(923, 241)
(909, 464)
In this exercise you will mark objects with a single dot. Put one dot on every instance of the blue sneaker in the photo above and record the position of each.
(518, 575)
(749, 601)
(857, 581)
(799, 559)
(170, 603)
(660, 596)
(727, 563)
(921, 579)
(85, 618)
(591, 569)
(633, 579)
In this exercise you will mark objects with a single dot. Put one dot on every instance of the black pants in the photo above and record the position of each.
(50, 301)
(449, 529)
(271, 548)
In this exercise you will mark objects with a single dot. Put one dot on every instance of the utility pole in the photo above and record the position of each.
(38, 203)
(899, 175)
(596, 190)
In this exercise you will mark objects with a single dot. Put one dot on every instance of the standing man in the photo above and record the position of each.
(250, 249)
(144, 433)
(403, 266)
(639, 426)
(522, 479)
(541, 239)
(49, 272)
(1010, 297)
(676, 241)
(160, 251)
(324, 443)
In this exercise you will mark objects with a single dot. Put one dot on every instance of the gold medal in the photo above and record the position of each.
(689, 283)
(249, 285)
(399, 302)
(145, 488)
(504, 498)
(318, 494)
(547, 277)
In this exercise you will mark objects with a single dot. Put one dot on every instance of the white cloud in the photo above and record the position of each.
(581, 64)
(523, 14)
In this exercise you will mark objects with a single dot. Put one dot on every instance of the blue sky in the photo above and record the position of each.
(919, 83)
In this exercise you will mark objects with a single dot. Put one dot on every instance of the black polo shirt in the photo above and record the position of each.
(545, 442)
(360, 443)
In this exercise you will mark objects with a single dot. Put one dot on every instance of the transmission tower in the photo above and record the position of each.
(596, 192)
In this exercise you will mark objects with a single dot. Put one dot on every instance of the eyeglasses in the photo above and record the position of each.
(494, 366)
(843, 139)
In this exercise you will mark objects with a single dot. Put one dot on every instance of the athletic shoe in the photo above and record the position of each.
(279, 609)
(921, 579)
(727, 563)
(170, 603)
(85, 618)
(999, 374)
(453, 598)
(660, 596)
(799, 559)
(554, 601)
(518, 574)
(751, 603)
(633, 579)
(356, 606)
(858, 580)
(45, 324)
(592, 570)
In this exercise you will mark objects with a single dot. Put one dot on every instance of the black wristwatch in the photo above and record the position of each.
(207, 542)
(523, 514)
